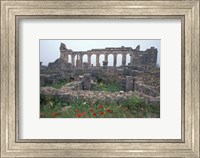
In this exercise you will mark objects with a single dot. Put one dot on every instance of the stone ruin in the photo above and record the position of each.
(131, 76)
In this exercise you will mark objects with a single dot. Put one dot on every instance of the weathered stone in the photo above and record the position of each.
(120, 71)
(121, 92)
(78, 63)
(105, 64)
(123, 84)
(80, 78)
(129, 83)
(145, 89)
(69, 66)
(134, 73)
(141, 63)
(62, 46)
(86, 82)
(66, 108)
(138, 57)
(86, 65)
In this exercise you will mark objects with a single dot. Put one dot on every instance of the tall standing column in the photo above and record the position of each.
(81, 60)
(106, 57)
(124, 59)
(73, 58)
(66, 58)
(97, 60)
(115, 60)
(89, 59)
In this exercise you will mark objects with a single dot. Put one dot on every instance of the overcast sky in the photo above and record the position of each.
(49, 49)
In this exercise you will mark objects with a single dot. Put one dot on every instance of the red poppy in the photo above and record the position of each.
(91, 110)
(101, 113)
(79, 115)
(108, 110)
(100, 107)
(83, 113)
(55, 114)
(76, 110)
(94, 114)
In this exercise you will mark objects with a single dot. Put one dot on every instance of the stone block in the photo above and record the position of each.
(69, 66)
(134, 73)
(86, 82)
(123, 84)
(80, 78)
(86, 65)
(105, 64)
(120, 71)
(146, 89)
(129, 83)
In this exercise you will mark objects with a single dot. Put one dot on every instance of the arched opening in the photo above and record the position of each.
(75, 59)
(85, 58)
(119, 60)
(101, 59)
(69, 58)
(128, 59)
(110, 59)
(93, 59)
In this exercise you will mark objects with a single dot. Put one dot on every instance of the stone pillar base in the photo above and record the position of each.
(129, 83)
(86, 82)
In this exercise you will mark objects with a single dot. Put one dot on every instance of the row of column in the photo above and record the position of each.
(80, 59)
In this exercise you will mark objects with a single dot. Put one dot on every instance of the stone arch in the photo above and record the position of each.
(93, 59)
(119, 60)
(101, 59)
(85, 58)
(128, 59)
(69, 59)
(110, 60)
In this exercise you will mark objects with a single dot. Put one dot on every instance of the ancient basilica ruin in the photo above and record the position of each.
(133, 69)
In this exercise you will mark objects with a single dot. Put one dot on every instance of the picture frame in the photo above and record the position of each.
(12, 11)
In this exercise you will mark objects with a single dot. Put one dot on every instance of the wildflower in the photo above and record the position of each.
(79, 115)
(54, 114)
(100, 107)
(76, 110)
(101, 113)
(84, 113)
(91, 110)
(94, 114)
(108, 110)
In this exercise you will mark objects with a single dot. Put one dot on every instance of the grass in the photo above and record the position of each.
(114, 87)
(57, 85)
(52, 107)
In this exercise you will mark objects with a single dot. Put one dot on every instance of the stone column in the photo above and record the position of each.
(105, 64)
(81, 60)
(62, 54)
(132, 58)
(97, 60)
(73, 59)
(124, 59)
(86, 82)
(115, 60)
(129, 83)
(89, 59)
(66, 58)
(106, 57)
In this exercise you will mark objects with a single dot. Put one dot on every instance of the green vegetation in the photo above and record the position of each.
(114, 87)
(57, 85)
(53, 107)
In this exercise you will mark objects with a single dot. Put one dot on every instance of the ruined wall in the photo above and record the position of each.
(137, 57)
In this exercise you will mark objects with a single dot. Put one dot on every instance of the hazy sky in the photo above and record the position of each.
(49, 49)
